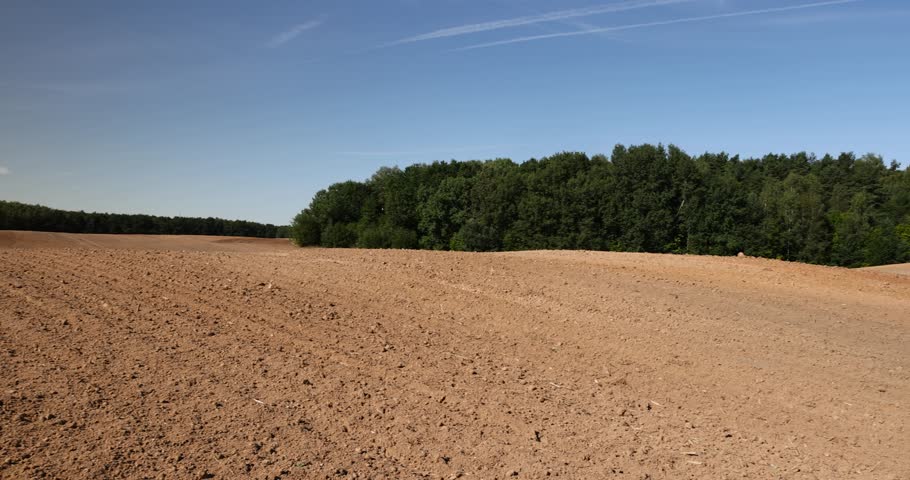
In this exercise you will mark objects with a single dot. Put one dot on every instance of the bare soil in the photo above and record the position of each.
(20, 239)
(896, 269)
(204, 357)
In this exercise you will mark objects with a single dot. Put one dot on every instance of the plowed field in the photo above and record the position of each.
(201, 357)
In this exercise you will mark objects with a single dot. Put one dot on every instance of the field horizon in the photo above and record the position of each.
(28, 239)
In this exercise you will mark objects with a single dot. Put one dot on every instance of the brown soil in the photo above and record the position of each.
(203, 243)
(188, 358)
(897, 269)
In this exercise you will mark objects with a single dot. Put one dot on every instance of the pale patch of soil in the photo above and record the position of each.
(178, 358)
(896, 269)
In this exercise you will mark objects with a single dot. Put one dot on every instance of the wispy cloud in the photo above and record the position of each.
(810, 18)
(89, 88)
(4, 171)
(293, 32)
(533, 19)
(430, 151)
(657, 24)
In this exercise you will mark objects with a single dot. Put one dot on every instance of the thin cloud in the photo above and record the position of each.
(293, 32)
(833, 17)
(433, 151)
(4, 171)
(532, 19)
(657, 24)
(89, 88)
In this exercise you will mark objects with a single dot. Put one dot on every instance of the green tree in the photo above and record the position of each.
(443, 212)
(305, 229)
(841, 210)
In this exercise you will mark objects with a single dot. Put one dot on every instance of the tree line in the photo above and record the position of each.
(21, 216)
(835, 210)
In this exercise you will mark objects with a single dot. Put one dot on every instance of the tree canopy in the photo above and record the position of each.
(844, 210)
(21, 216)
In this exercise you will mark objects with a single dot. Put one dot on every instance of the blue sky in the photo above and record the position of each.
(246, 109)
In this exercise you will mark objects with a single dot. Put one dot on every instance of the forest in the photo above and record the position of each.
(834, 210)
(21, 216)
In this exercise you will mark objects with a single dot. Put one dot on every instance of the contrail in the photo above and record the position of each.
(293, 32)
(382, 153)
(656, 24)
(532, 19)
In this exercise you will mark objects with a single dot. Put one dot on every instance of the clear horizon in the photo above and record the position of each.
(245, 111)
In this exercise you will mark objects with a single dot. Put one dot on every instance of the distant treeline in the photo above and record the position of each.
(21, 216)
(839, 210)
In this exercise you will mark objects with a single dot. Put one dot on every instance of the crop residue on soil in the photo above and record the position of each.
(225, 358)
